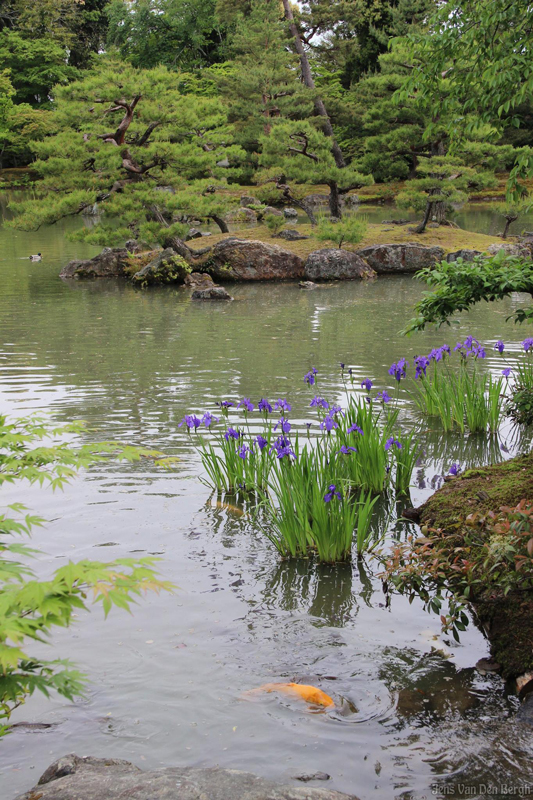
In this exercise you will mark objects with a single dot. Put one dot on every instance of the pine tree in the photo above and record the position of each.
(441, 182)
(296, 151)
(145, 154)
(264, 82)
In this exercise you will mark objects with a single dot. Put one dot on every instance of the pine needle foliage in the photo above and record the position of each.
(132, 146)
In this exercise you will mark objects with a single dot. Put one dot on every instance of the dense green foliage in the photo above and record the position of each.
(30, 608)
(459, 285)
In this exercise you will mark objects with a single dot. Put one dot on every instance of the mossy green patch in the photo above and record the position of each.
(506, 619)
(450, 239)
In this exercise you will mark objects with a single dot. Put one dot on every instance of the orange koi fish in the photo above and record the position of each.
(310, 694)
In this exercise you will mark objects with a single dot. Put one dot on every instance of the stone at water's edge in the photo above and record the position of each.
(336, 265)
(167, 267)
(249, 260)
(110, 263)
(466, 255)
(212, 293)
(386, 259)
(199, 280)
(75, 778)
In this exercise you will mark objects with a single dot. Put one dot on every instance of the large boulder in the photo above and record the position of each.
(466, 255)
(248, 260)
(386, 259)
(247, 200)
(166, 267)
(290, 213)
(336, 265)
(241, 215)
(520, 249)
(270, 211)
(75, 778)
(110, 263)
(199, 280)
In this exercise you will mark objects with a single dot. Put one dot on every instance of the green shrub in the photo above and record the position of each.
(348, 229)
(274, 223)
(29, 608)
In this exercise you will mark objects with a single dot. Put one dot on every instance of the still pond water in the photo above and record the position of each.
(166, 683)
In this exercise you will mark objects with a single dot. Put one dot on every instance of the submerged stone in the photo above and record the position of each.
(115, 779)
(211, 293)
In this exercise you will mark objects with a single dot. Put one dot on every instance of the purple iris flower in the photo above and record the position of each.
(397, 370)
(384, 396)
(499, 346)
(527, 344)
(285, 425)
(309, 377)
(231, 433)
(246, 403)
(478, 352)
(191, 421)
(347, 450)
(391, 442)
(422, 363)
(261, 442)
(506, 372)
(329, 423)
(282, 405)
(208, 419)
(282, 448)
(355, 427)
(342, 365)
(455, 469)
(264, 405)
(318, 401)
(366, 384)
(336, 410)
(243, 451)
(225, 404)
(331, 493)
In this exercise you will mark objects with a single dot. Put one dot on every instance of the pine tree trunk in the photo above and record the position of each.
(220, 222)
(309, 82)
(439, 213)
(422, 227)
(334, 200)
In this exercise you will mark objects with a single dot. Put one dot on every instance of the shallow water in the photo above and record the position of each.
(167, 683)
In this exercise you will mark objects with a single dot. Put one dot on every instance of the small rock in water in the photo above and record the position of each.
(214, 293)
(315, 776)
(308, 285)
(488, 665)
(412, 514)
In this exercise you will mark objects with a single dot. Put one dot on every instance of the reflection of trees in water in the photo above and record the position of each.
(429, 686)
(440, 450)
(325, 591)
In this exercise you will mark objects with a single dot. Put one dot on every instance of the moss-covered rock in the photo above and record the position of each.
(507, 619)
(167, 267)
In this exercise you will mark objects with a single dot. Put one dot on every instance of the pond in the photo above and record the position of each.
(166, 684)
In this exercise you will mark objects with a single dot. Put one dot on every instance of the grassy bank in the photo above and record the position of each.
(464, 542)
(450, 239)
